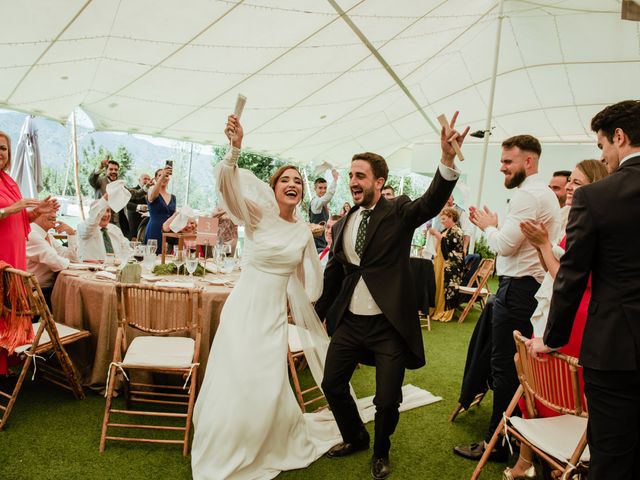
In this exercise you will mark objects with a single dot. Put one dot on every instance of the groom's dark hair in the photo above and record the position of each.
(377, 162)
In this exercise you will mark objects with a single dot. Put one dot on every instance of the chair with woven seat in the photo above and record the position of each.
(477, 288)
(50, 337)
(560, 441)
(159, 332)
(296, 362)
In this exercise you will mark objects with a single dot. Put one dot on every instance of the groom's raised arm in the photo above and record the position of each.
(431, 202)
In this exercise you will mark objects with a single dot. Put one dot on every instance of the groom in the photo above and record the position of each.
(368, 299)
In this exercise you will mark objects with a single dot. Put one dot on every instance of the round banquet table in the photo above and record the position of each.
(83, 301)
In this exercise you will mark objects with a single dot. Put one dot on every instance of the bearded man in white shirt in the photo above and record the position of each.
(518, 267)
(97, 237)
(45, 255)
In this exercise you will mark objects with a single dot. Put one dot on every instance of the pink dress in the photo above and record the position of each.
(14, 231)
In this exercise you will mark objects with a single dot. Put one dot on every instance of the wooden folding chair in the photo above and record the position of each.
(477, 400)
(168, 324)
(296, 362)
(50, 337)
(554, 382)
(477, 288)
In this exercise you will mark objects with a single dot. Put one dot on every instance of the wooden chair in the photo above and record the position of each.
(477, 400)
(50, 337)
(477, 288)
(162, 317)
(554, 382)
(296, 362)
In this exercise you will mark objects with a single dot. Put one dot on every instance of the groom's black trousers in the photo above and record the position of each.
(358, 339)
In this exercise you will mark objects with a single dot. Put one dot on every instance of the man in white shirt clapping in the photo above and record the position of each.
(97, 237)
(518, 267)
(45, 255)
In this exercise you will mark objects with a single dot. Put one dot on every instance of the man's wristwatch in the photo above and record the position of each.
(3, 213)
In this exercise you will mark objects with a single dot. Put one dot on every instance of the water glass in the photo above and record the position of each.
(191, 262)
(152, 243)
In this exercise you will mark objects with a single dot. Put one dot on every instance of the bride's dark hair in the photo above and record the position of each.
(278, 173)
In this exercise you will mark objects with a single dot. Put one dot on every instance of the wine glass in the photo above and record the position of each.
(191, 262)
(139, 252)
(149, 259)
(178, 257)
(152, 243)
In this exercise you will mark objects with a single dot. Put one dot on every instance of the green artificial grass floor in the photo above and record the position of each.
(50, 435)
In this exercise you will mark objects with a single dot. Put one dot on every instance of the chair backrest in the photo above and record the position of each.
(482, 274)
(552, 380)
(159, 310)
(35, 303)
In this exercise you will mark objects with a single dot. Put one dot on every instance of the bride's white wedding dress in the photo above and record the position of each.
(247, 422)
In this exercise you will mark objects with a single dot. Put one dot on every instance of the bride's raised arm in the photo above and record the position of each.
(242, 194)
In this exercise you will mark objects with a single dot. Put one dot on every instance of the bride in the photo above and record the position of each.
(247, 422)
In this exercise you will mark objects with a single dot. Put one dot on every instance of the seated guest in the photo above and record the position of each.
(45, 255)
(585, 173)
(448, 265)
(324, 255)
(97, 237)
(191, 227)
(346, 206)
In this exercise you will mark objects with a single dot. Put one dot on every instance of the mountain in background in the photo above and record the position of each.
(55, 151)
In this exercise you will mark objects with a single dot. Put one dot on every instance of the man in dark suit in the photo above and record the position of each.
(369, 301)
(137, 204)
(600, 242)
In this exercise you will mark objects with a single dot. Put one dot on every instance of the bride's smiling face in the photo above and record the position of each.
(288, 188)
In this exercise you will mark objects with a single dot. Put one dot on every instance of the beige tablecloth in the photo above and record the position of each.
(82, 301)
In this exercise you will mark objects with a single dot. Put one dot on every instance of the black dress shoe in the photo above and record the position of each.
(380, 468)
(475, 451)
(347, 448)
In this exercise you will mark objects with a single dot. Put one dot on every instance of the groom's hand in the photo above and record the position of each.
(448, 153)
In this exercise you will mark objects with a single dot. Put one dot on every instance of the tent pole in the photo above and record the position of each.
(74, 143)
(186, 200)
(492, 91)
(402, 185)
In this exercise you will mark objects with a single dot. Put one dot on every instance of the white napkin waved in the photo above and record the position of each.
(119, 196)
(181, 220)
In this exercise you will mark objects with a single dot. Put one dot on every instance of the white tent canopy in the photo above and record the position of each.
(320, 85)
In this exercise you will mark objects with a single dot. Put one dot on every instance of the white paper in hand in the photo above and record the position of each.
(181, 220)
(240, 102)
(119, 196)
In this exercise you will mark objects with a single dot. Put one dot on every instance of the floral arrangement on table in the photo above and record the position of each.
(170, 268)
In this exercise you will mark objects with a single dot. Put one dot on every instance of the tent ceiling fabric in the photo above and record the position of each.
(315, 89)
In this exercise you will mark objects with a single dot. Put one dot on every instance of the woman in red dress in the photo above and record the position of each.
(586, 172)
(14, 229)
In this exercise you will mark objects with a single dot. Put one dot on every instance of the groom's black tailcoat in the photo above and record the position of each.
(384, 265)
